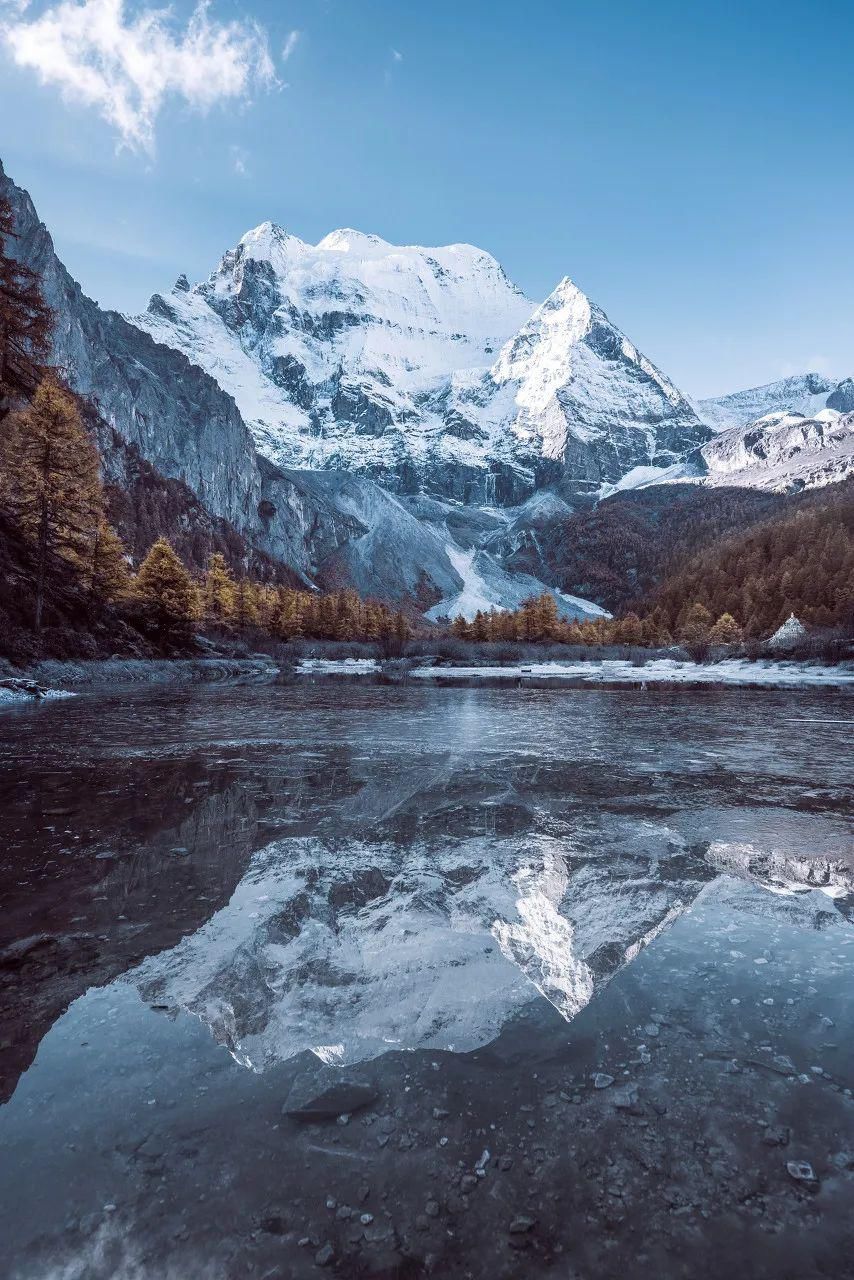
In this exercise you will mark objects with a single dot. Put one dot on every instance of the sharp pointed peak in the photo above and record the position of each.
(267, 241)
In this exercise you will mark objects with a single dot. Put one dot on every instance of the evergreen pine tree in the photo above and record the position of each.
(725, 631)
(629, 630)
(694, 628)
(479, 627)
(108, 571)
(402, 630)
(548, 619)
(245, 612)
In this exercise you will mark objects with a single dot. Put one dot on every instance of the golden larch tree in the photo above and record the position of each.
(51, 483)
(166, 594)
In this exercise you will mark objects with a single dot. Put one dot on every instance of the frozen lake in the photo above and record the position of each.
(587, 954)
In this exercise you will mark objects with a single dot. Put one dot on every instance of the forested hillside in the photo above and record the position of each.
(624, 547)
(800, 560)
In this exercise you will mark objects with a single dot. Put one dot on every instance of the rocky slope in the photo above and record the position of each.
(151, 407)
(782, 451)
(174, 414)
(425, 369)
(298, 385)
(806, 394)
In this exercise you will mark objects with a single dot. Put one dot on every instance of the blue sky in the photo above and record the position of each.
(690, 166)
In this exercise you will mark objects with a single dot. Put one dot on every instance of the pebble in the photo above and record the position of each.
(325, 1255)
(602, 1080)
(776, 1135)
(521, 1223)
(431, 1208)
(802, 1171)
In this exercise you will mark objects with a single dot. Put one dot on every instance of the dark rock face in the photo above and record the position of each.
(339, 1100)
(843, 397)
(368, 416)
(289, 373)
(502, 485)
(175, 415)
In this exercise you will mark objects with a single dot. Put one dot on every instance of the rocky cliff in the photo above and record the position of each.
(172, 412)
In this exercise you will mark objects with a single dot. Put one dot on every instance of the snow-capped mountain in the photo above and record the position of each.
(783, 452)
(335, 352)
(426, 369)
(806, 394)
(330, 527)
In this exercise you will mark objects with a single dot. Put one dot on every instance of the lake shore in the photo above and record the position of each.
(51, 678)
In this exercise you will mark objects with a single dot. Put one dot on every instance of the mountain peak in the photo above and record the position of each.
(569, 307)
(348, 240)
(268, 242)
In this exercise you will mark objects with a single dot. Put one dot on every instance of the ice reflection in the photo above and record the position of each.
(348, 947)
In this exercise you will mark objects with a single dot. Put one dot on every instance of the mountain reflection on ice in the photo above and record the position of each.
(653, 886)
(347, 947)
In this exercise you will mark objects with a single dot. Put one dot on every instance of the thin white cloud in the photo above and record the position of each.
(811, 364)
(239, 160)
(127, 66)
(290, 44)
(395, 57)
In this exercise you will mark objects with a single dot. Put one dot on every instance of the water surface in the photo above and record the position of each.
(217, 902)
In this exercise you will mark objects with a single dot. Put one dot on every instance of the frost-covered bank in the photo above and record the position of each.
(13, 692)
(661, 671)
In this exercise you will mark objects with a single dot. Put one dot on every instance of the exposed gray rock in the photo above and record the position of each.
(805, 393)
(338, 1100)
(181, 421)
(423, 369)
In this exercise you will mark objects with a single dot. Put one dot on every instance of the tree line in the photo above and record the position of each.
(538, 621)
(168, 602)
(741, 586)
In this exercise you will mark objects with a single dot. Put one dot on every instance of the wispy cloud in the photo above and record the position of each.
(290, 44)
(239, 160)
(127, 66)
(811, 364)
(395, 57)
